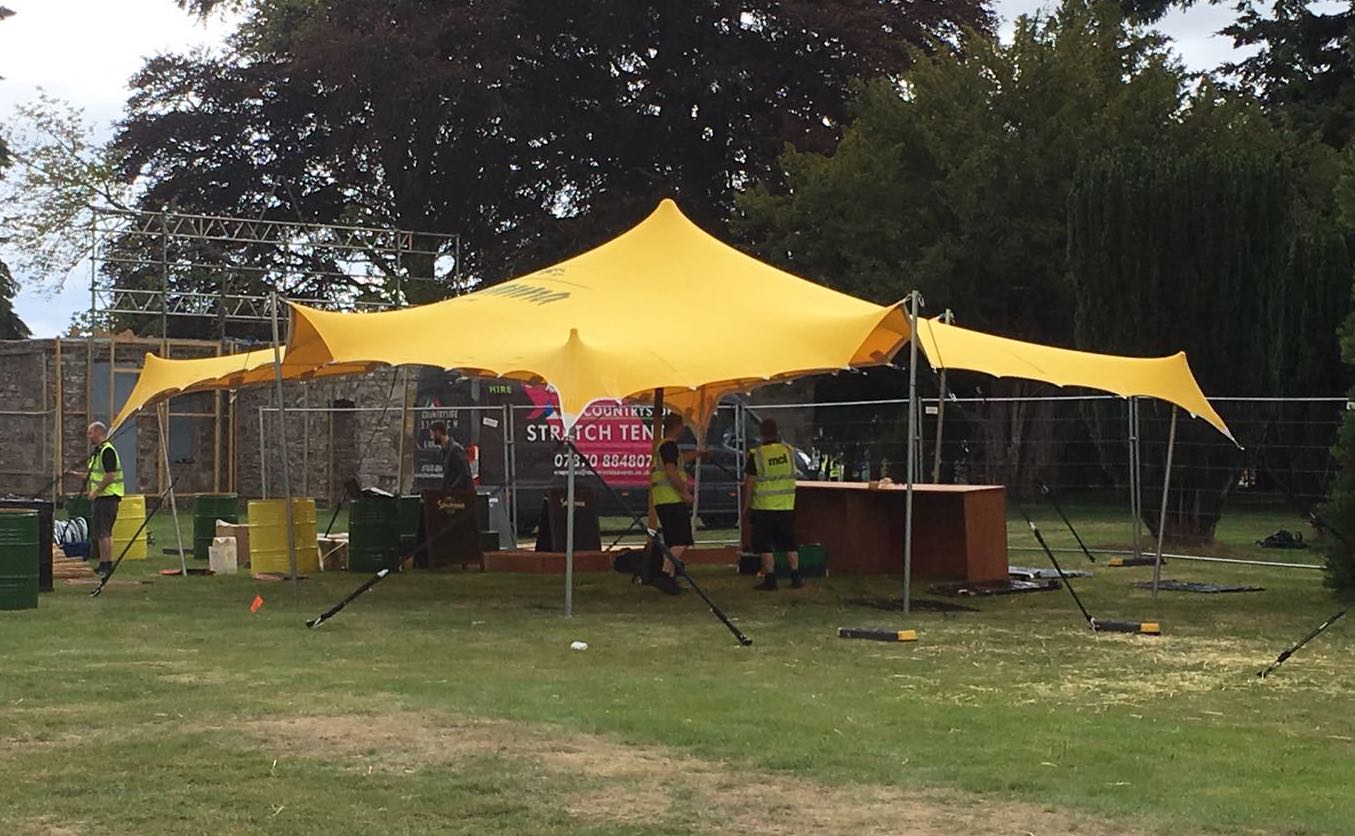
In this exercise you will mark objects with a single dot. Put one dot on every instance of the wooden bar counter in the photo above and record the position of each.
(959, 531)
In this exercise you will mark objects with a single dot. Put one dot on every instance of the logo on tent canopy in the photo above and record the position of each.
(527, 293)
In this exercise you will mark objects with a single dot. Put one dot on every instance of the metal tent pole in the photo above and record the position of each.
(696, 482)
(406, 430)
(1162, 516)
(161, 414)
(510, 466)
(912, 451)
(656, 424)
(285, 447)
(1134, 514)
(569, 526)
(263, 456)
(743, 454)
(947, 318)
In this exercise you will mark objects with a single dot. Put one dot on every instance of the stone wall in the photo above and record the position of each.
(337, 429)
(325, 446)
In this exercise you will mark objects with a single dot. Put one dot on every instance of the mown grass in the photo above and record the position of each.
(139, 711)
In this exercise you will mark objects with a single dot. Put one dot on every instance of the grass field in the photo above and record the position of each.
(451, 703)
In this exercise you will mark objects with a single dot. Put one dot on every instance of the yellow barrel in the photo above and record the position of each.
(131, 514)
(268, 536)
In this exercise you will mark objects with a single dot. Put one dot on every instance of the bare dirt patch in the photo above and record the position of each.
(634, 784)
(46, 827)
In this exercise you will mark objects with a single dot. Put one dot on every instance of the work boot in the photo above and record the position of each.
(768, 583)
(104, 569)
(796, 581)
(667, 584)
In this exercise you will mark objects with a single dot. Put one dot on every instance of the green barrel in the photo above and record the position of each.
(18, 560)
(411, 517)
(207, 509)
(373, 533)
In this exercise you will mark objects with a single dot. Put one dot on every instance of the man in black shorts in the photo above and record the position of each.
(104, 487)
(769, 504)
(672, 499)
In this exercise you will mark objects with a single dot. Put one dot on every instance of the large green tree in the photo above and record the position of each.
(531, 129)
(11, 326)
(1188, 249)
(1301, 64)
(955, 181)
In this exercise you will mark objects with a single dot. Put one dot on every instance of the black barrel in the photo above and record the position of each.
(18, 559)
(374, 533)
(207, 509)
(45, 511)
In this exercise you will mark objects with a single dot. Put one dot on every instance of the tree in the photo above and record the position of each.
(956, 182)
(532, 129)
(1189, 249)
(61, 173)
(1340, 507)
(11, 326)
(1302, 66)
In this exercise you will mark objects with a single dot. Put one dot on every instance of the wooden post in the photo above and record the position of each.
(216, 434)
(60, 424)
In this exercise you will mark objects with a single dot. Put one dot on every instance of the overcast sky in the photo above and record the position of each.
(84, 51)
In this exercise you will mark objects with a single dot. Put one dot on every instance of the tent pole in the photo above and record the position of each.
(1133, 476)
(1162, 516)
(1138, 480)
(569, 526)
(263, 456)
(510, 465)
(738, 446)
(505, 495)
(912, 451)
(406, 429)
(696, 487)
(160, 413)
(947, 318)
(657, 429)
(285, 448)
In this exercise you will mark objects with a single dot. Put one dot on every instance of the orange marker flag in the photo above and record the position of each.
(256, 603)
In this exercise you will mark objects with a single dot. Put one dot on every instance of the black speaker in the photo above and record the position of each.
(551, 536)
(451, 529)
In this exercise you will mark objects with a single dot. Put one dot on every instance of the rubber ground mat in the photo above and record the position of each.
(987, 588)
(916, 605)
(1133, 561)
(1192, 586)
(1030, 573)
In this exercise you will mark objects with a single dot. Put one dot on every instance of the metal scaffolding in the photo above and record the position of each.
(222, 270)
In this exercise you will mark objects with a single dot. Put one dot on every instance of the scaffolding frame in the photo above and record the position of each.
(376, 267)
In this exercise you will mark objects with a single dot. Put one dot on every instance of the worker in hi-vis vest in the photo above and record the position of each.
(672, 497)
(769, 504)
(104, 487)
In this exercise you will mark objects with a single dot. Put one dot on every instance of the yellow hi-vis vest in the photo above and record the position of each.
(774, 489)
(96, 472)
(659, 487)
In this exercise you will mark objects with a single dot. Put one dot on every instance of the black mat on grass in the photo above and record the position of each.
(1192, 586)
(916, 605)
(988, 588)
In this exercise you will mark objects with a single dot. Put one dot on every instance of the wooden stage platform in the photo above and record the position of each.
(959, 531)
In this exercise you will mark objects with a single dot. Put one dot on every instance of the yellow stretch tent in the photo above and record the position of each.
(1164, 378)
(161, 378)
(663, 306)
